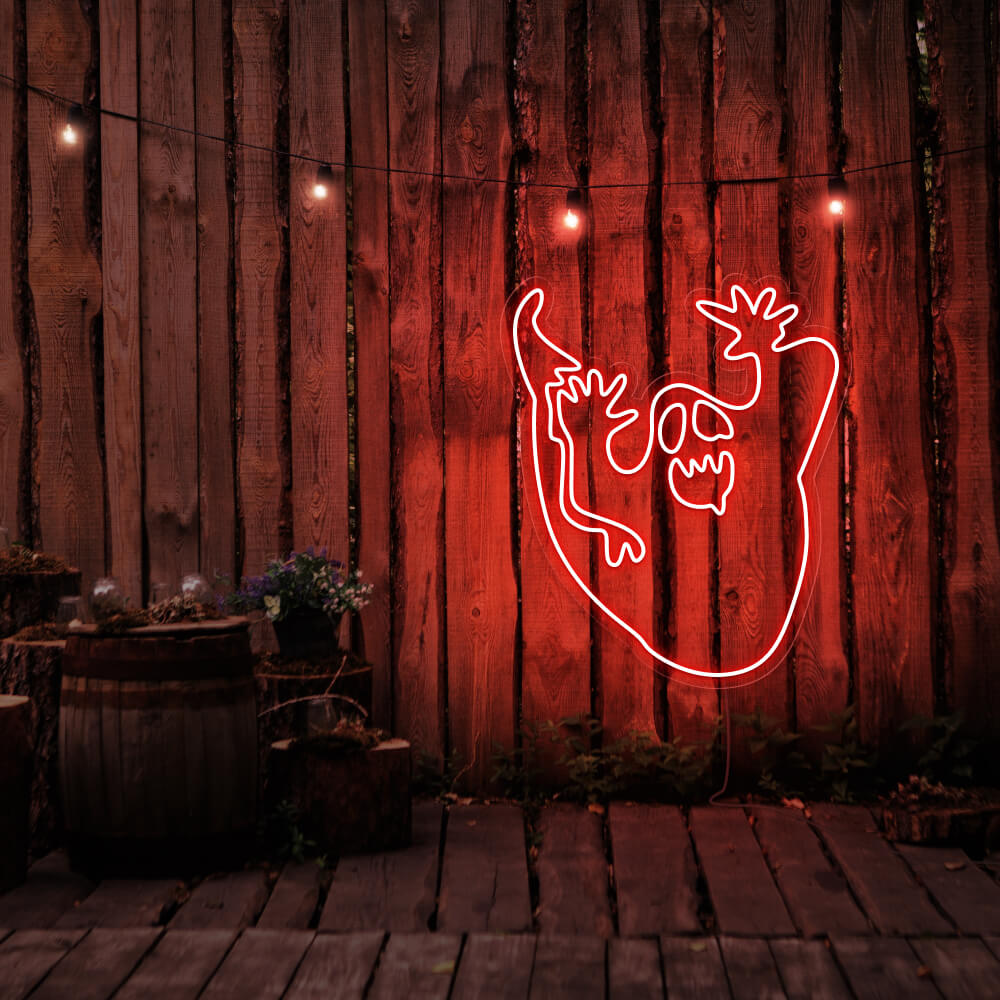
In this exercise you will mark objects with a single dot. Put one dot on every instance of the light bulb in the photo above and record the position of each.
(836, 206)
(76, 122)
(320, 190)
(324, 181)
(571, 220)
(836, 189)
(69, 135)
(574, 209)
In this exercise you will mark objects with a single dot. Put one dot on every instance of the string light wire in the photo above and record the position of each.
(506, 181)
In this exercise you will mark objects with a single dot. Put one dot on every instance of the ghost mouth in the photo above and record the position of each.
(703, 484)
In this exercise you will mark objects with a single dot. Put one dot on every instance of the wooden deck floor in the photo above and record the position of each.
(643, 901)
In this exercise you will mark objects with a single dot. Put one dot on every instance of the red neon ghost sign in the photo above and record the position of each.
(695, 430)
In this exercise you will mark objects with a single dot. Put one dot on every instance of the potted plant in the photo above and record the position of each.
(304, 597)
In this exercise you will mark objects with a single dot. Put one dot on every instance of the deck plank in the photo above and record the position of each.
(634, 969)
(27, 956)
(416, 966)
(568, 967)
(495, 966)
(223, 902)
(260, 965)
(654, 871)
(49, 891)
(337, 967)
(963, 969)
(391, 891)
(881, 881)
(293, 900)
(179, 966)
(743, 893)
(751, 969)
(877, 968)
(98, 965)
(816, 894)
(963, 890)
(122, 903)
(572, 873)
(484, 877)
(693, 968)
(808, 970)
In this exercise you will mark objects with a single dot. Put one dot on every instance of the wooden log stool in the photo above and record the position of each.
(15, 789)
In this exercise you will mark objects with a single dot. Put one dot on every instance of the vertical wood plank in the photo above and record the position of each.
(369, 146)
(120, 268)
(65, 285)
(217, 494)
(481, 590)
(751, 566)
(168, 291)
(618, 331)
(415, 317)
(318, 248)
(891, 532)
(685, 66)
(964, 330)
(12, 389)
(555, 616)
(820, 660)
(257, 30)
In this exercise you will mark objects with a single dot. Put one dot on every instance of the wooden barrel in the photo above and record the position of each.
(158, 744)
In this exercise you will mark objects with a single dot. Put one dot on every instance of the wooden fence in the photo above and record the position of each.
(202, 365)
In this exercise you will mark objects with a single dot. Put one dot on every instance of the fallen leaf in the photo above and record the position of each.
(793, 804)
(697, 946)
(596, 807)
(954, 866)
(470, 822)
(923, 971)
(443, 967)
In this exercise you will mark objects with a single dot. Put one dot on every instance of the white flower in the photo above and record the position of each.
(272, 605)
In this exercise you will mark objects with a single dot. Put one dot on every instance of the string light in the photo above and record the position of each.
(836, 189)
(574, 209)
(76, 122)
(324, 181)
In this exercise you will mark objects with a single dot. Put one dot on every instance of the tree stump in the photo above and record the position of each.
(30, 598)
(349, 801)
(34, 669)
(15, 789)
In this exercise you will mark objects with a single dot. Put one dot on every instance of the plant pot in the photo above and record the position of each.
(158, 746)
(351, 801)
(15, 789)
(306, 635)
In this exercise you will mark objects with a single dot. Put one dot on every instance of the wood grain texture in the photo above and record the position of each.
(882, 967)
(808, 971)
(217, 491)
(28, 955)
(569, 967)
(750, 968)
(318, 252)
(65, 283)
(223, 902)
(416, 393)
(120, 270)
(336, 967)
(293, 899)
(416, 965)
(693, 969)
(555, 616)
(179, 966)
(391, 891)
(879, 879)
(685, 66)
(960, 968)
(370, 146)
(495, 965)
(259, 259)
(751, 543)
(260, 964)
(634, 969)
(572, 873)
(122, 903)
(965, 331)
(891, 531)
(99, 964)
(168, 289)
(618, 335)
(12, 388)
(820, 659)
(484, 873)
(478, 409)
(654, 870)
(50, 890)
(743, 893)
